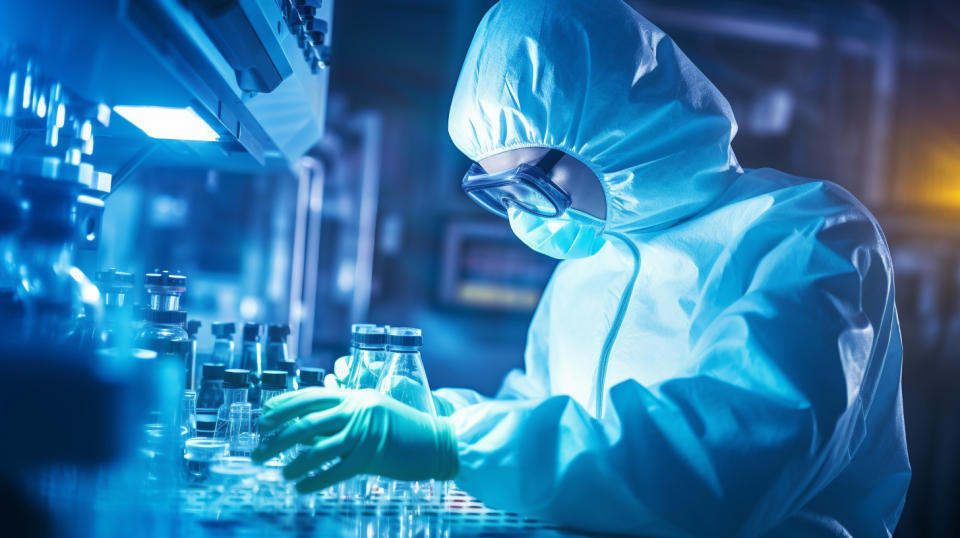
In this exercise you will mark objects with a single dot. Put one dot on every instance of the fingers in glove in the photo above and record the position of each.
(298, 404)
(315, 456)
(314, 426)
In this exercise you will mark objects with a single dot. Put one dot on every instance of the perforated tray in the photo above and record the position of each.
(457, 515)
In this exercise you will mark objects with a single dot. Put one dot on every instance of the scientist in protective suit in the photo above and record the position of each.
(719, 353)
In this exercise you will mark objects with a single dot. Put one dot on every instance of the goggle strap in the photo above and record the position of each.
(549, 160)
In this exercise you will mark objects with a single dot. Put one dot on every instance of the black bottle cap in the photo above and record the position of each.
(213, 371)
(312, 377)
(174, 281)
(370, 340)
(404, 340)
(290, 367)
(274, 380)
(178, 317)
(236, 378)
(114, 280)
(193, 327)
(222, 329)
(251, 332)
(278, 333)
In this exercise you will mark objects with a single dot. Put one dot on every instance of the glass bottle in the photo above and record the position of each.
(210, 396)
(277, 346)
(251, 358)
(405, 380)
(193, 327)
(118, 315)
(290, 368)
(223, 345)
(235, 390)
(368, 343)
(163, 332)
(242, 439)
(311, 377)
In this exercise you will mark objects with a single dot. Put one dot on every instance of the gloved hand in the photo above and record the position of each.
(369, 432)
(341, 369)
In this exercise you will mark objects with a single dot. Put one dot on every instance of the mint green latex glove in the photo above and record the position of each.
(341, 369)
(369, 432)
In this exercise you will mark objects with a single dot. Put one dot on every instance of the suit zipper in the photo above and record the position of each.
(617, 322)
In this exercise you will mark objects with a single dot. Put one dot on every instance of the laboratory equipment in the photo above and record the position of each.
(210, 396)
(243, 438)
(223, 345)
(277, 346)
(368, 344)
(163, 320)
(114, 287)
(290, 368)
(274, 383)
(236, 388)
(193, 327)
(233, 484)
(199, 456)
(188, 415)
(251, 357)
(403, 378)
(164, 290)
(60, 303)
(311, 377)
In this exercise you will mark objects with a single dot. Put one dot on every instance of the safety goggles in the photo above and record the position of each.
(527, 187)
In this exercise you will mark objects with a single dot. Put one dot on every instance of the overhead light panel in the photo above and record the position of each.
(168, 123)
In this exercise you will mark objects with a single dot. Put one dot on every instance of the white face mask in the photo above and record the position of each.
(573, 234)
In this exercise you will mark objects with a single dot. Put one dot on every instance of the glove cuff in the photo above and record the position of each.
(449, 460)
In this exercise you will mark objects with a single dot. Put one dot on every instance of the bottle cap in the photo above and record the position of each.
(274, 380)
(212, 371)
(404, 338)
(354, 329)
(278, 333)
(290, 367)
(370, 338)
(222, 329)
(193, 327)
(174, 282)
(311, 377)
(236, 378)
(114, 280)
(251, 332)
(178, 317)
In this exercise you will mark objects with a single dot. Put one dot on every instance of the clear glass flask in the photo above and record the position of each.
(242, 439)
(235, 390)
(404, 379)
(368, 344)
